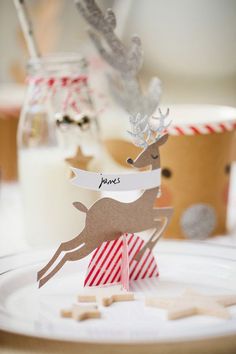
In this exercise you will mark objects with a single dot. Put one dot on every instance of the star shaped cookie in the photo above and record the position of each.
(79, 160)
(192, 303)
(81, 313)
(107, 300)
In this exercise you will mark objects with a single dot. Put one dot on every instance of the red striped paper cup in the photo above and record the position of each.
(196, 163)
(200, 119)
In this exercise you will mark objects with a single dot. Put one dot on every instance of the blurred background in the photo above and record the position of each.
(190, 45)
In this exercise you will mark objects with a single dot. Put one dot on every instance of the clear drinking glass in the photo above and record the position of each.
(57, 118)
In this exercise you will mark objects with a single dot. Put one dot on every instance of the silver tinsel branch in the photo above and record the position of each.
(126, 61)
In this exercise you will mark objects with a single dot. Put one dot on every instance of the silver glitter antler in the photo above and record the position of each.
(144, 132)
(160, 128)
(140, 130)
(127, 61)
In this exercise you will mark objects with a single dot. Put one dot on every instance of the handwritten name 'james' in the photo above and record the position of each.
(109, 181)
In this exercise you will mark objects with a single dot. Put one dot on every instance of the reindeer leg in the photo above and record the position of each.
(149, 243)
(54, 271)
(163, 213)
(65, 246)
(156, 235)
(70, 256)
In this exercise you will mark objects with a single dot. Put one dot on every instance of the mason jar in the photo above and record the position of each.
(57, 129)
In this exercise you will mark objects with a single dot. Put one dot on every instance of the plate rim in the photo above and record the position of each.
(130, 342)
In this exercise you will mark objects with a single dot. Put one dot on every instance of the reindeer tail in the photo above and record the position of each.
(81, 207)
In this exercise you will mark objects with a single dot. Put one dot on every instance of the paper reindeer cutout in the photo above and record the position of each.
(108, 219)
(125, 60)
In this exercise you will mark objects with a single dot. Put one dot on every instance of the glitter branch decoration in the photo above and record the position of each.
(126, 61)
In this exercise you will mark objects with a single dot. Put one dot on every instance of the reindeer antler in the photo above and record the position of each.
(127, 61)
(144, 132)
(140, 130)
(159, 129)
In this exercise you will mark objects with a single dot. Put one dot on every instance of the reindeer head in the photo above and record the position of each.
(149, 136)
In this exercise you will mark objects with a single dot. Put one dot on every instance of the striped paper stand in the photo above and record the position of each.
(106, 264)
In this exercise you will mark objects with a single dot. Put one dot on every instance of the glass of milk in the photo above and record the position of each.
(58, 117)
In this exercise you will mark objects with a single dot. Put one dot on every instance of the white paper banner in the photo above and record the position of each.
(116, 182)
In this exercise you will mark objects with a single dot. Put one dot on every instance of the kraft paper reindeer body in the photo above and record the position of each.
(107, 219)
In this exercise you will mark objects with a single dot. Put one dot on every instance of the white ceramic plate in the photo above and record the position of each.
(25, 309)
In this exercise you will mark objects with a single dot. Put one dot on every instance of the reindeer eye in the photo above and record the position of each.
(154, 156)
(166, 172)
(227, 169)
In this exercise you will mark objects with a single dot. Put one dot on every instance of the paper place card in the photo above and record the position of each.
(116, 182)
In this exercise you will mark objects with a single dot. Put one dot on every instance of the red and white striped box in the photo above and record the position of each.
(108, 266)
